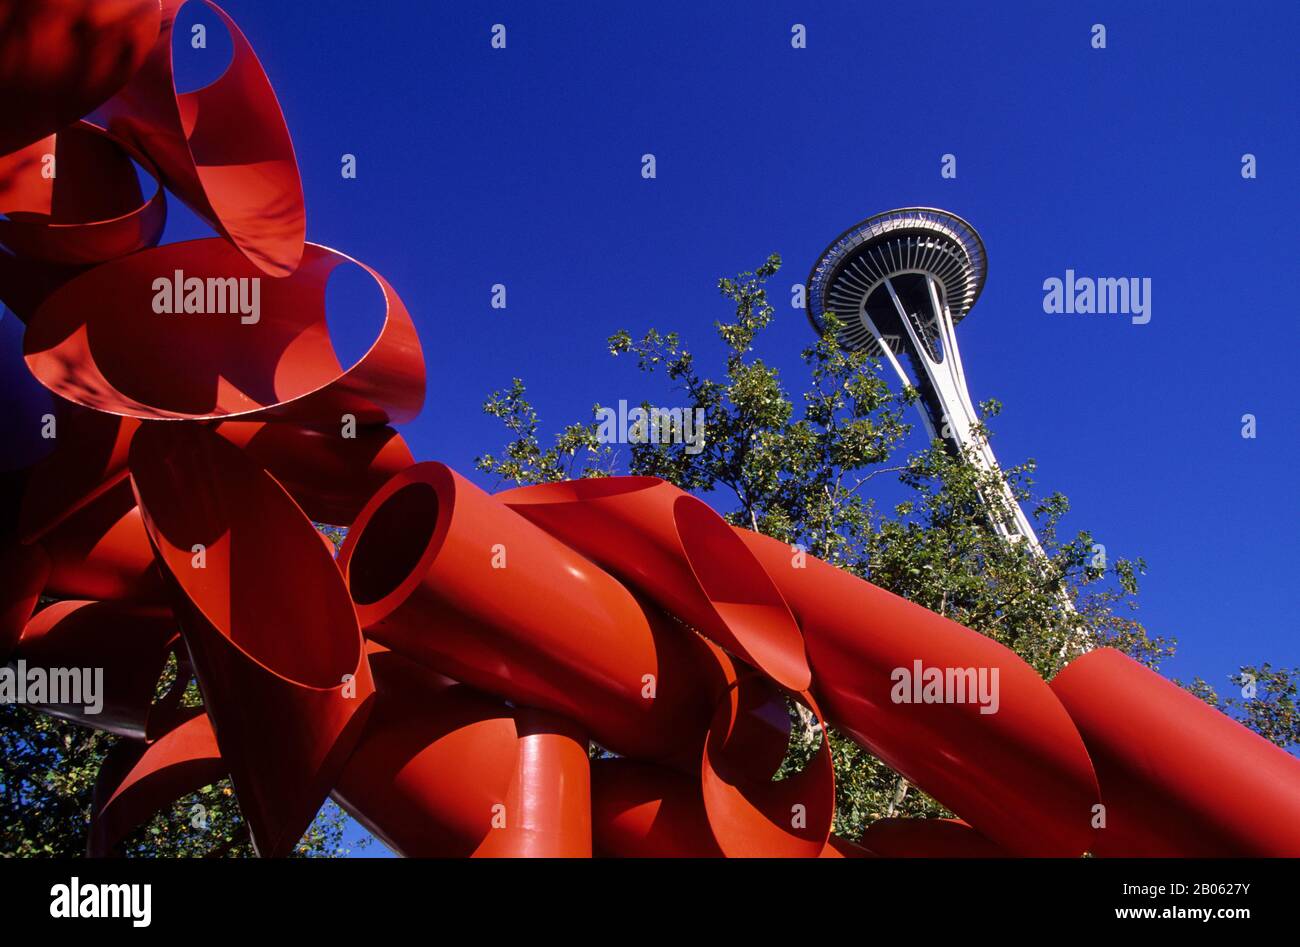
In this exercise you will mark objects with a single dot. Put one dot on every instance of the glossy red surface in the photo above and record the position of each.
(435, 759)
(91, 210)
(750, 813)
(330, 476)
(284, 677)
(446, 771)
(641, 810)
(138, 780)
(450, 577)
(1178, 778)
(102, 552)
(223, 149)
(1020, 775)
(674, 549)
(98, 341)
(127, 644)
(87, 460)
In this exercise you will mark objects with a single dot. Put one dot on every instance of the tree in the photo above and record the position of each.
(1266, 702)
(800, 471)
(48, 769)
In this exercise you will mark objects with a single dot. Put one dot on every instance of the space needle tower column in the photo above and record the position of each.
(899, 283)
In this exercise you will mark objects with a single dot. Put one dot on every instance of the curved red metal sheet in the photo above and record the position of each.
(127, 644)
(88, 460)
(102, 552)
(222, 149)
(927, 838)
(1021, 774)
(330, 476)
(1179, 779)
(435, 758)
(676, 550)
(60, 59)
(449, 576)
(753, 815)
(271, 632)
(445, 771)
(99, 341)
(85, 207)
(642, 810)
(26, 570)
(137, 780)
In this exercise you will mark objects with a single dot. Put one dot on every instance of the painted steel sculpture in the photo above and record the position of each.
(443, 676)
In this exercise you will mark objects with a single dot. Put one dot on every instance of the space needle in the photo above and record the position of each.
(899, 283)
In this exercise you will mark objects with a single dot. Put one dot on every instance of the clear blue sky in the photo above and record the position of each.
(522, 166)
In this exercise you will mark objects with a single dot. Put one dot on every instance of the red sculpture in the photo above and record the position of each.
(60, 59)
(107, 340)
(228, 560)
(245, 185)
(74, 198)
(444, 677)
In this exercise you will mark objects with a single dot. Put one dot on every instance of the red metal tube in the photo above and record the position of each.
(445, 771)
(1178, 778)
(87, 461)
(452, 578)
(674, 549)
(26, 570)
(1020, 775)
(643, 810)
(547, 810)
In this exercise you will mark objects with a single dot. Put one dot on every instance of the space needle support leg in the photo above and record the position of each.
(948, 382)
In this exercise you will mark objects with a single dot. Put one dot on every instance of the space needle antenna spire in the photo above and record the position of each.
(898, 283)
